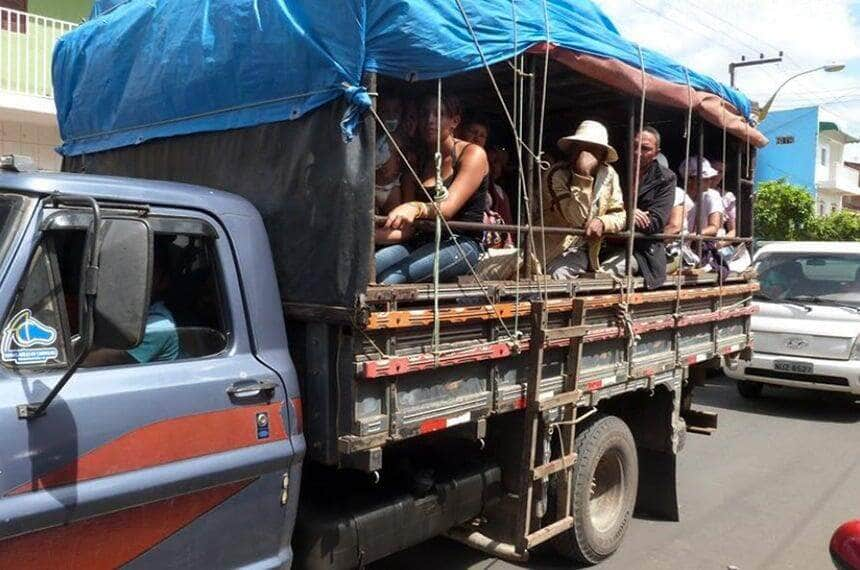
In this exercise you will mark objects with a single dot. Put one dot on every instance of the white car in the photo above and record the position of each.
(807, 331)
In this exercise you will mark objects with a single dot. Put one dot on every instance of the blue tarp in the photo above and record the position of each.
(144, 69)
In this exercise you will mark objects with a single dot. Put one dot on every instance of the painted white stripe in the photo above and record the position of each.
(457, 420)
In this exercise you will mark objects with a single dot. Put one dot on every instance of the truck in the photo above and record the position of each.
(309, 416)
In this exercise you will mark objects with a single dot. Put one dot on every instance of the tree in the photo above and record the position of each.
(782, 211)
(837, 226)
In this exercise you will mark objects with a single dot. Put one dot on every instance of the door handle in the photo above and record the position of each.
(249, 388)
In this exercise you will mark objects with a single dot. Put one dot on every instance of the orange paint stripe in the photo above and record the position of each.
(166, 441)
(111, 540)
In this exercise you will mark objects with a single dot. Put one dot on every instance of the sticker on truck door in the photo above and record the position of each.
(27, 341)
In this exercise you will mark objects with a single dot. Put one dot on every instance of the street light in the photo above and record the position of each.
(831, 68)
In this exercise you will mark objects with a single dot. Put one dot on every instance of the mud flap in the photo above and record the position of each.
(658, 494)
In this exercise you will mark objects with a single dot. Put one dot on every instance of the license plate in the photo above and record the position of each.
(793, 366)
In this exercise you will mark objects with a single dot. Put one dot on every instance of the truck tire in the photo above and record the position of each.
(750, 390)
(605, 481)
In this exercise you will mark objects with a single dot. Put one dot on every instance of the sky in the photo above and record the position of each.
(706, 36)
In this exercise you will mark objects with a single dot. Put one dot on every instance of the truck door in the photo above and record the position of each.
(172, 454)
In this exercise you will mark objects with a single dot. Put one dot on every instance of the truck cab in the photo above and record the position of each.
(115, 455)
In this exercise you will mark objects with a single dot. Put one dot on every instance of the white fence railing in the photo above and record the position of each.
(26, 46)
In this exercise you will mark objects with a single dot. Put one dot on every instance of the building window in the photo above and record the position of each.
(821, 208)
(787, 139)
(823, 159)
(11, 21)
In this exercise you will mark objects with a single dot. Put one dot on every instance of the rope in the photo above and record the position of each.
(444, 222)
(520, 187)
(492, 77)
(624, 307)
(519, 141)
(684, 230)
(540, 139)
(441, 194)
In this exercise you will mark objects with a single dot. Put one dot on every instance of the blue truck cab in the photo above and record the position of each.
(192, 460)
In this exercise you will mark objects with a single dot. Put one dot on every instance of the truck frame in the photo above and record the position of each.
(505, 414)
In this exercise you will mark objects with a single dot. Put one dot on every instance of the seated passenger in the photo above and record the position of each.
(729, 200)
(387, 193)
(466, 175)
(388, 163)
(709, 220)
(499, 200)
(476, 130)
(653, 204)
(160, 340)
(582, 192)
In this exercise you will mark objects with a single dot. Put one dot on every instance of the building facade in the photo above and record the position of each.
(28, 31)
(807, 148)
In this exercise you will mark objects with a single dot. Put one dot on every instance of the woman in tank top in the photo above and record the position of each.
(465, 173)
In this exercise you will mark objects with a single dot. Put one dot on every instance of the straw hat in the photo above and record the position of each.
(589, 134)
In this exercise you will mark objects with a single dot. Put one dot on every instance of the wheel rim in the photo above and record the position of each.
(607, 491)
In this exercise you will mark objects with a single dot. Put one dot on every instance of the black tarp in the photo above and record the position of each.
(313, 190)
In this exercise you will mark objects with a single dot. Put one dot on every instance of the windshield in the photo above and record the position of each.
(12, 214)
(810, 278)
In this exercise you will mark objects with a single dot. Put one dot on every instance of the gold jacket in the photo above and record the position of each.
(570, 200)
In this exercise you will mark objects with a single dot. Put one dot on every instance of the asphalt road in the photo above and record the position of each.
(765, 491)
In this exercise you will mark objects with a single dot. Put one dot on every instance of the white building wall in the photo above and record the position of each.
(36, 140)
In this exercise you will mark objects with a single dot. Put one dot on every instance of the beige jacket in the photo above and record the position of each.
(572, 200)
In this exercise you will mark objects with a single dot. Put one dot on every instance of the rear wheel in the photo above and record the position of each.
(604, 491)
(751, 390)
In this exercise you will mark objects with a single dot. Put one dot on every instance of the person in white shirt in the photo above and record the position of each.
(709, 220)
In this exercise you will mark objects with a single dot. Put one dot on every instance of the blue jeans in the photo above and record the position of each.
(413, 263)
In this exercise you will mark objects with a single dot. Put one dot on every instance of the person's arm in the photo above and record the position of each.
(473, 168)
(676, 220)
(106, 357)
(715, 220)
(713, 204)
(615, 217)
(658, 214)
(385, 236)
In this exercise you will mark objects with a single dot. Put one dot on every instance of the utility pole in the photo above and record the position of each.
(745, 63)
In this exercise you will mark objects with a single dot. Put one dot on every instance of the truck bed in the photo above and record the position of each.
(392, 385)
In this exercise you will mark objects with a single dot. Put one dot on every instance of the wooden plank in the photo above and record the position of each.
(562, 399)
(553, 466)
(566, 332)
(385, 367)
(549, 531)
(381, 320)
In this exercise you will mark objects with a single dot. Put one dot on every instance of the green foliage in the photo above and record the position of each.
(782, 211)
(838, 226)
(785, 212)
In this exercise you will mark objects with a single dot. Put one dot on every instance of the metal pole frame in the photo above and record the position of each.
(530, 165)
(700, 153)
(370, 124)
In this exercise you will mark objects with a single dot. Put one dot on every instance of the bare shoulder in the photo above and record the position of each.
(472, 153)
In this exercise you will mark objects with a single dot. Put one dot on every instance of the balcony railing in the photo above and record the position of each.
(26, 46)
(844, 178)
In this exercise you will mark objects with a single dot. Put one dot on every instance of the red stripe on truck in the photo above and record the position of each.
(166, 441)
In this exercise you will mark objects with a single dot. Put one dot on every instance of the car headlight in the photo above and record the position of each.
(855, 352)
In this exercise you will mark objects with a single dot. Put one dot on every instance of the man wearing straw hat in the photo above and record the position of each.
(582, 193)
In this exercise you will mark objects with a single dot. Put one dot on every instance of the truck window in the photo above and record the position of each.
(186, 317)
(34, 334)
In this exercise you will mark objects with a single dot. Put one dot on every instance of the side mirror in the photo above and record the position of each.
(124, 281)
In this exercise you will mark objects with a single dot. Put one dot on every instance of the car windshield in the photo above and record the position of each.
(13, 209)
(810, 278)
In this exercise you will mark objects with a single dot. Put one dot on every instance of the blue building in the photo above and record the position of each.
(806, 149)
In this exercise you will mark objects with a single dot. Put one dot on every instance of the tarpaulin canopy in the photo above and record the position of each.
(146, 69)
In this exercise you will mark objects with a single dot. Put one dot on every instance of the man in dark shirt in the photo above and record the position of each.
(653, 205)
